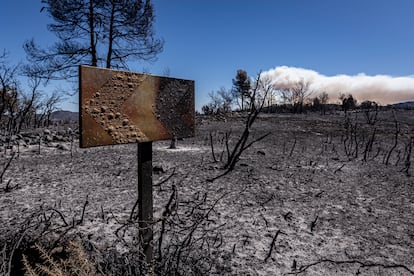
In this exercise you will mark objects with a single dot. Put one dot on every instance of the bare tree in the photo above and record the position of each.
(226, 99)
(408, 151)
(12, 109)
(323, 100)
(272, 100)
(214, 103)
(397, 133)
(300, 92)
(19, 109)
(266, 93)
(8, 82)
(319, 102)
(95, 32)
(285, 96)
(51, 104)
(220, 101)
(261, 87)
(348, 102)
(370, 110)
(27, 106)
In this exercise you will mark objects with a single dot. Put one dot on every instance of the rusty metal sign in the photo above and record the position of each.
(118, 107)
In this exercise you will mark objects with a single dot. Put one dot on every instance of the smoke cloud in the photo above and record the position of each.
(380, 88)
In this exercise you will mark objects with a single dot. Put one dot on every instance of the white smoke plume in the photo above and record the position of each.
(380, 88)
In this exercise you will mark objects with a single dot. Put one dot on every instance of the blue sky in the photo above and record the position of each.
(207, 41)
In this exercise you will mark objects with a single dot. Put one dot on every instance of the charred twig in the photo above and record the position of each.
(83, 211)
(362, 265)
(220, 240)
(188, 239)
(212, 148)
(9, 188)
(288, 216)
(102, 213)
(237, 156)
(313, 223)
(272, 245)
(355, 131)
(6, 167)
(3, 258)
(63, 234)
(15, 247)
(218, 176)
(265, 220)
(227, 138)
(61, 216)
(131, 215)
(396, 134)
(294, 265)
(407, 162)
(246, 239)
(189, 232)
(350, 140)
(256, 140)
(293, 148)
(368, 147)
(165, 214)
(319, 194)
(165, 180)
(339, 169)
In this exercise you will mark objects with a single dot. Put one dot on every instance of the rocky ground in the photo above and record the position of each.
(301, 201)
(54, 136)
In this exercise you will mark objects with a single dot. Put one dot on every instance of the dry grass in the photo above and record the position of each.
(76, 263)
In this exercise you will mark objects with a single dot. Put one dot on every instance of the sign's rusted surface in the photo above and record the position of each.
(118, 107)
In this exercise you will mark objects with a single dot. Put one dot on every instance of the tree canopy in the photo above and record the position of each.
(106, 33)
(241, 86)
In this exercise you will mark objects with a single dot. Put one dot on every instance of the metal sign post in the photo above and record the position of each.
(118, 107)
(145, 213)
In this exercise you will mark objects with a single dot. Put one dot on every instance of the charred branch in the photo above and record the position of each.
(362, 264)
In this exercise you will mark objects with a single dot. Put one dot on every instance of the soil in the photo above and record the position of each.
(296, 203)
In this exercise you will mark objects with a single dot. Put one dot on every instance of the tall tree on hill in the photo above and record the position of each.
(241, 87)
(107, 33)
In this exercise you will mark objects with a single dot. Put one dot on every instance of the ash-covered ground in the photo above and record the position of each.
(321, 195)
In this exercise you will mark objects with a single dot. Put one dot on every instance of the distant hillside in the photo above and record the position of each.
(404, 105)
(63, 115)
